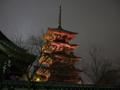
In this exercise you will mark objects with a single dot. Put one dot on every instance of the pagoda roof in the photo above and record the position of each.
(61, 30)
(64, 44)
(63, 55)
(66, 55)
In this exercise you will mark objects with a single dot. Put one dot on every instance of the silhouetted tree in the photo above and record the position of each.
(18, 40)
(34, 44)
(111, 77)
(98, 65)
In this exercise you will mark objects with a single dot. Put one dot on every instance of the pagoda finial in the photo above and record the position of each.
(59, 20)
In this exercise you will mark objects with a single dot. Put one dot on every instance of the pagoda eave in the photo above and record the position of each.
(60, 31)
(65, 55)
(71, 46)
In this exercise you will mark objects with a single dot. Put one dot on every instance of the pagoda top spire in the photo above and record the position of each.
(59, 30)
(60, 10)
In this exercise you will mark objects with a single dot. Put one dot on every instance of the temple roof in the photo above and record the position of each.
(61, 30)
(6, 41)
(2, 36)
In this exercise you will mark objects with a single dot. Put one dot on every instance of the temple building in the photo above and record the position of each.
(57, 60)
(14, 60)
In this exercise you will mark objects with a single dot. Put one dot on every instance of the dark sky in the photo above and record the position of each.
(96, 21)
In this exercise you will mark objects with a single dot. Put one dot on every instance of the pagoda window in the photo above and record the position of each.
(51, 48)
(54, 47)
(51, 37)
(55, 36)
(60, 49)
(61, 37)
(58, 36)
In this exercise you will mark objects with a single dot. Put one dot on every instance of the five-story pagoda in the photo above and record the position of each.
(57, 60)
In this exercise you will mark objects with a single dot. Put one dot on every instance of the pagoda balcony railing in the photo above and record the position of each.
(23, 85)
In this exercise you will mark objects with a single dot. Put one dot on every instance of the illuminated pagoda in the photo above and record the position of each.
(56, 63)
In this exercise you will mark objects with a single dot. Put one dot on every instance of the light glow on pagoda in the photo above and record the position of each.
(57, 58)
(56, 34)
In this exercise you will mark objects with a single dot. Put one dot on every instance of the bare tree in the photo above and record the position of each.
(98, 65)
(34, 44)
(17, 39)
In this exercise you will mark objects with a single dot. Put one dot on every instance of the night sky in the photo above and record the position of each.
(96, 21)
